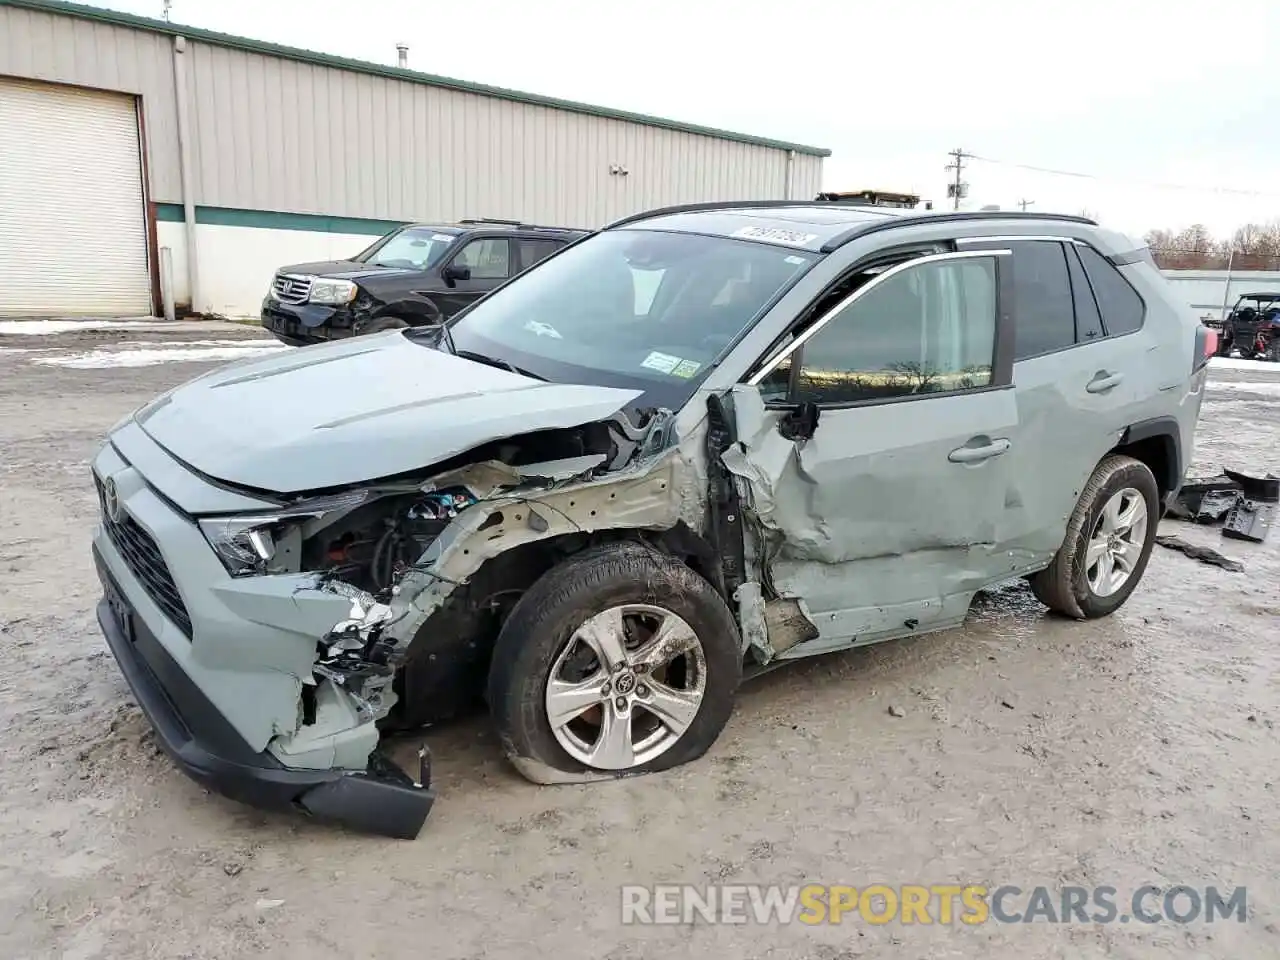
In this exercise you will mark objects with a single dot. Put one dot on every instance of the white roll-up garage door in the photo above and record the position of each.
(73, 236)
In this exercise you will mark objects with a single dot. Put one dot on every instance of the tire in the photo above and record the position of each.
(541, 637)
(1065, 586)
(381, 324)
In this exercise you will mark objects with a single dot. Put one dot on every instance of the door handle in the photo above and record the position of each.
(1103, 381)
(977, 454)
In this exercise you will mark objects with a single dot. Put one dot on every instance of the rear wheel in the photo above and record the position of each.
(621, 660)
(1108, 542)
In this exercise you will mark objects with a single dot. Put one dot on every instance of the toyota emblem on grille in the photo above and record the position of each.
(111, 500)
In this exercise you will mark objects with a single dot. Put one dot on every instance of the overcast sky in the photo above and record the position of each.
(1132, 92)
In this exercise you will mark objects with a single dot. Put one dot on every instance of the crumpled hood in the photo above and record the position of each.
(356, 410)
(343, 270)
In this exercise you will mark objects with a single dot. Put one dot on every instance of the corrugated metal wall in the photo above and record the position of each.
(41, 46)
(277, 134)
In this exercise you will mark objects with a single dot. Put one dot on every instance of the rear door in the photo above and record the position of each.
(1079, 379)
(529, 250)
(890, 515)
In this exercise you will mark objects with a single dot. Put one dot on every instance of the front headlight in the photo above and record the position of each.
(248, 544)
(332, 291)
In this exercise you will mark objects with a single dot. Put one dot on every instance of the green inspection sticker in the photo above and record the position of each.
(685, 369)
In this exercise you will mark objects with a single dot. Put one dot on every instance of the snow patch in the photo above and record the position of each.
(44, 328)
(1246, 386)
(1238, 363)
(103, 359)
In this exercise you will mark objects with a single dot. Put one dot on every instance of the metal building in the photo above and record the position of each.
(127, 142)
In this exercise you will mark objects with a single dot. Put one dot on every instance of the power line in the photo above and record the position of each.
(1148, 183)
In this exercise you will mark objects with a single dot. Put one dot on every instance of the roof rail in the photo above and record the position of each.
(494, 221)
(840, 239)
(716, 205)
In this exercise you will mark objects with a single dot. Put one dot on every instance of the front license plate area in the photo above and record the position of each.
(120, 610)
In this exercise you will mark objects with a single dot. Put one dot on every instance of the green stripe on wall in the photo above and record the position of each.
(274, 220)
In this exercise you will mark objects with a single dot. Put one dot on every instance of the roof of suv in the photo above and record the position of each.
(818, 226)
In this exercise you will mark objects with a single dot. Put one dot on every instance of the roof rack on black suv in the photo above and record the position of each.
(419, 274)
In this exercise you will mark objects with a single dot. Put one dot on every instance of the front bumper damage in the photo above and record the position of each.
(199, 740)
(261, 690)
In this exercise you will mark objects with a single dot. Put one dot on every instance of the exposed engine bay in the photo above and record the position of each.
(365, 551)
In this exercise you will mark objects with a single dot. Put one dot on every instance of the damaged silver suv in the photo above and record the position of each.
(686, 448)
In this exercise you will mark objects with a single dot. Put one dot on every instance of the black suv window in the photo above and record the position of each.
(1088, 321)
(930, 328)
(488, 259)
(1122, 308)
(1042, 297)
(531, 251)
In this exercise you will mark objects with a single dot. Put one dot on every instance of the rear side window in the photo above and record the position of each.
(1122, 308)
(1042, 294)
(1088, 320)
(531, 251)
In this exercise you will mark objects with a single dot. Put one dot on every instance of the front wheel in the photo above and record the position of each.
(621, 660)
(1108, 542)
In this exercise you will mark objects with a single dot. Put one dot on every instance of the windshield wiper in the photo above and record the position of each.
(497, 362)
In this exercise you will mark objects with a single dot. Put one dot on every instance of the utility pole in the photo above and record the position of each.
(167, 4)
(957, 189)
(1024, 204)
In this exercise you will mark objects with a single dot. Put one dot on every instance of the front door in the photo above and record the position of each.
(890, 515)
(488, 263)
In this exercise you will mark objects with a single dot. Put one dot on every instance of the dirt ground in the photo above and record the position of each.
(1029, 751)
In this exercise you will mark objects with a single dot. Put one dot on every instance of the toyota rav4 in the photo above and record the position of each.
(687, 448)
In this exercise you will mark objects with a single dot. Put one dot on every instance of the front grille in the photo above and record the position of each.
(288, 289)
(143, 557)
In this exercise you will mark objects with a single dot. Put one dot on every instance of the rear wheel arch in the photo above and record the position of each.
(1157, 443)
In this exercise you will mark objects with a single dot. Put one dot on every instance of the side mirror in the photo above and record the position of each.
(801, 423)
(455, 272)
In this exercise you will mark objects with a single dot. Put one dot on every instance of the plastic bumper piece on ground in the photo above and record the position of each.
(382, 800)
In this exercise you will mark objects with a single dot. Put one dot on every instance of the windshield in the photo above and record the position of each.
(414, 248)
(648, 310)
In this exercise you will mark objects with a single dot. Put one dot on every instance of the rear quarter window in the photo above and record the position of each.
(1121, 307)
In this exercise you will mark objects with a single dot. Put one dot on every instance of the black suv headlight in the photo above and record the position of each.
(332, 292)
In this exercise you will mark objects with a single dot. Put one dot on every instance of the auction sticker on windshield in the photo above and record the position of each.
(685, 369)
(662, 362)
(776, 235)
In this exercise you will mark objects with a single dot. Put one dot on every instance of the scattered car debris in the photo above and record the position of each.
(1242, 503)
(1205, 500)
(1203, 554)
(896, 711)
(1250, 516)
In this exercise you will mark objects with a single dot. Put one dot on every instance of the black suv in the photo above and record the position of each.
(417, 275)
